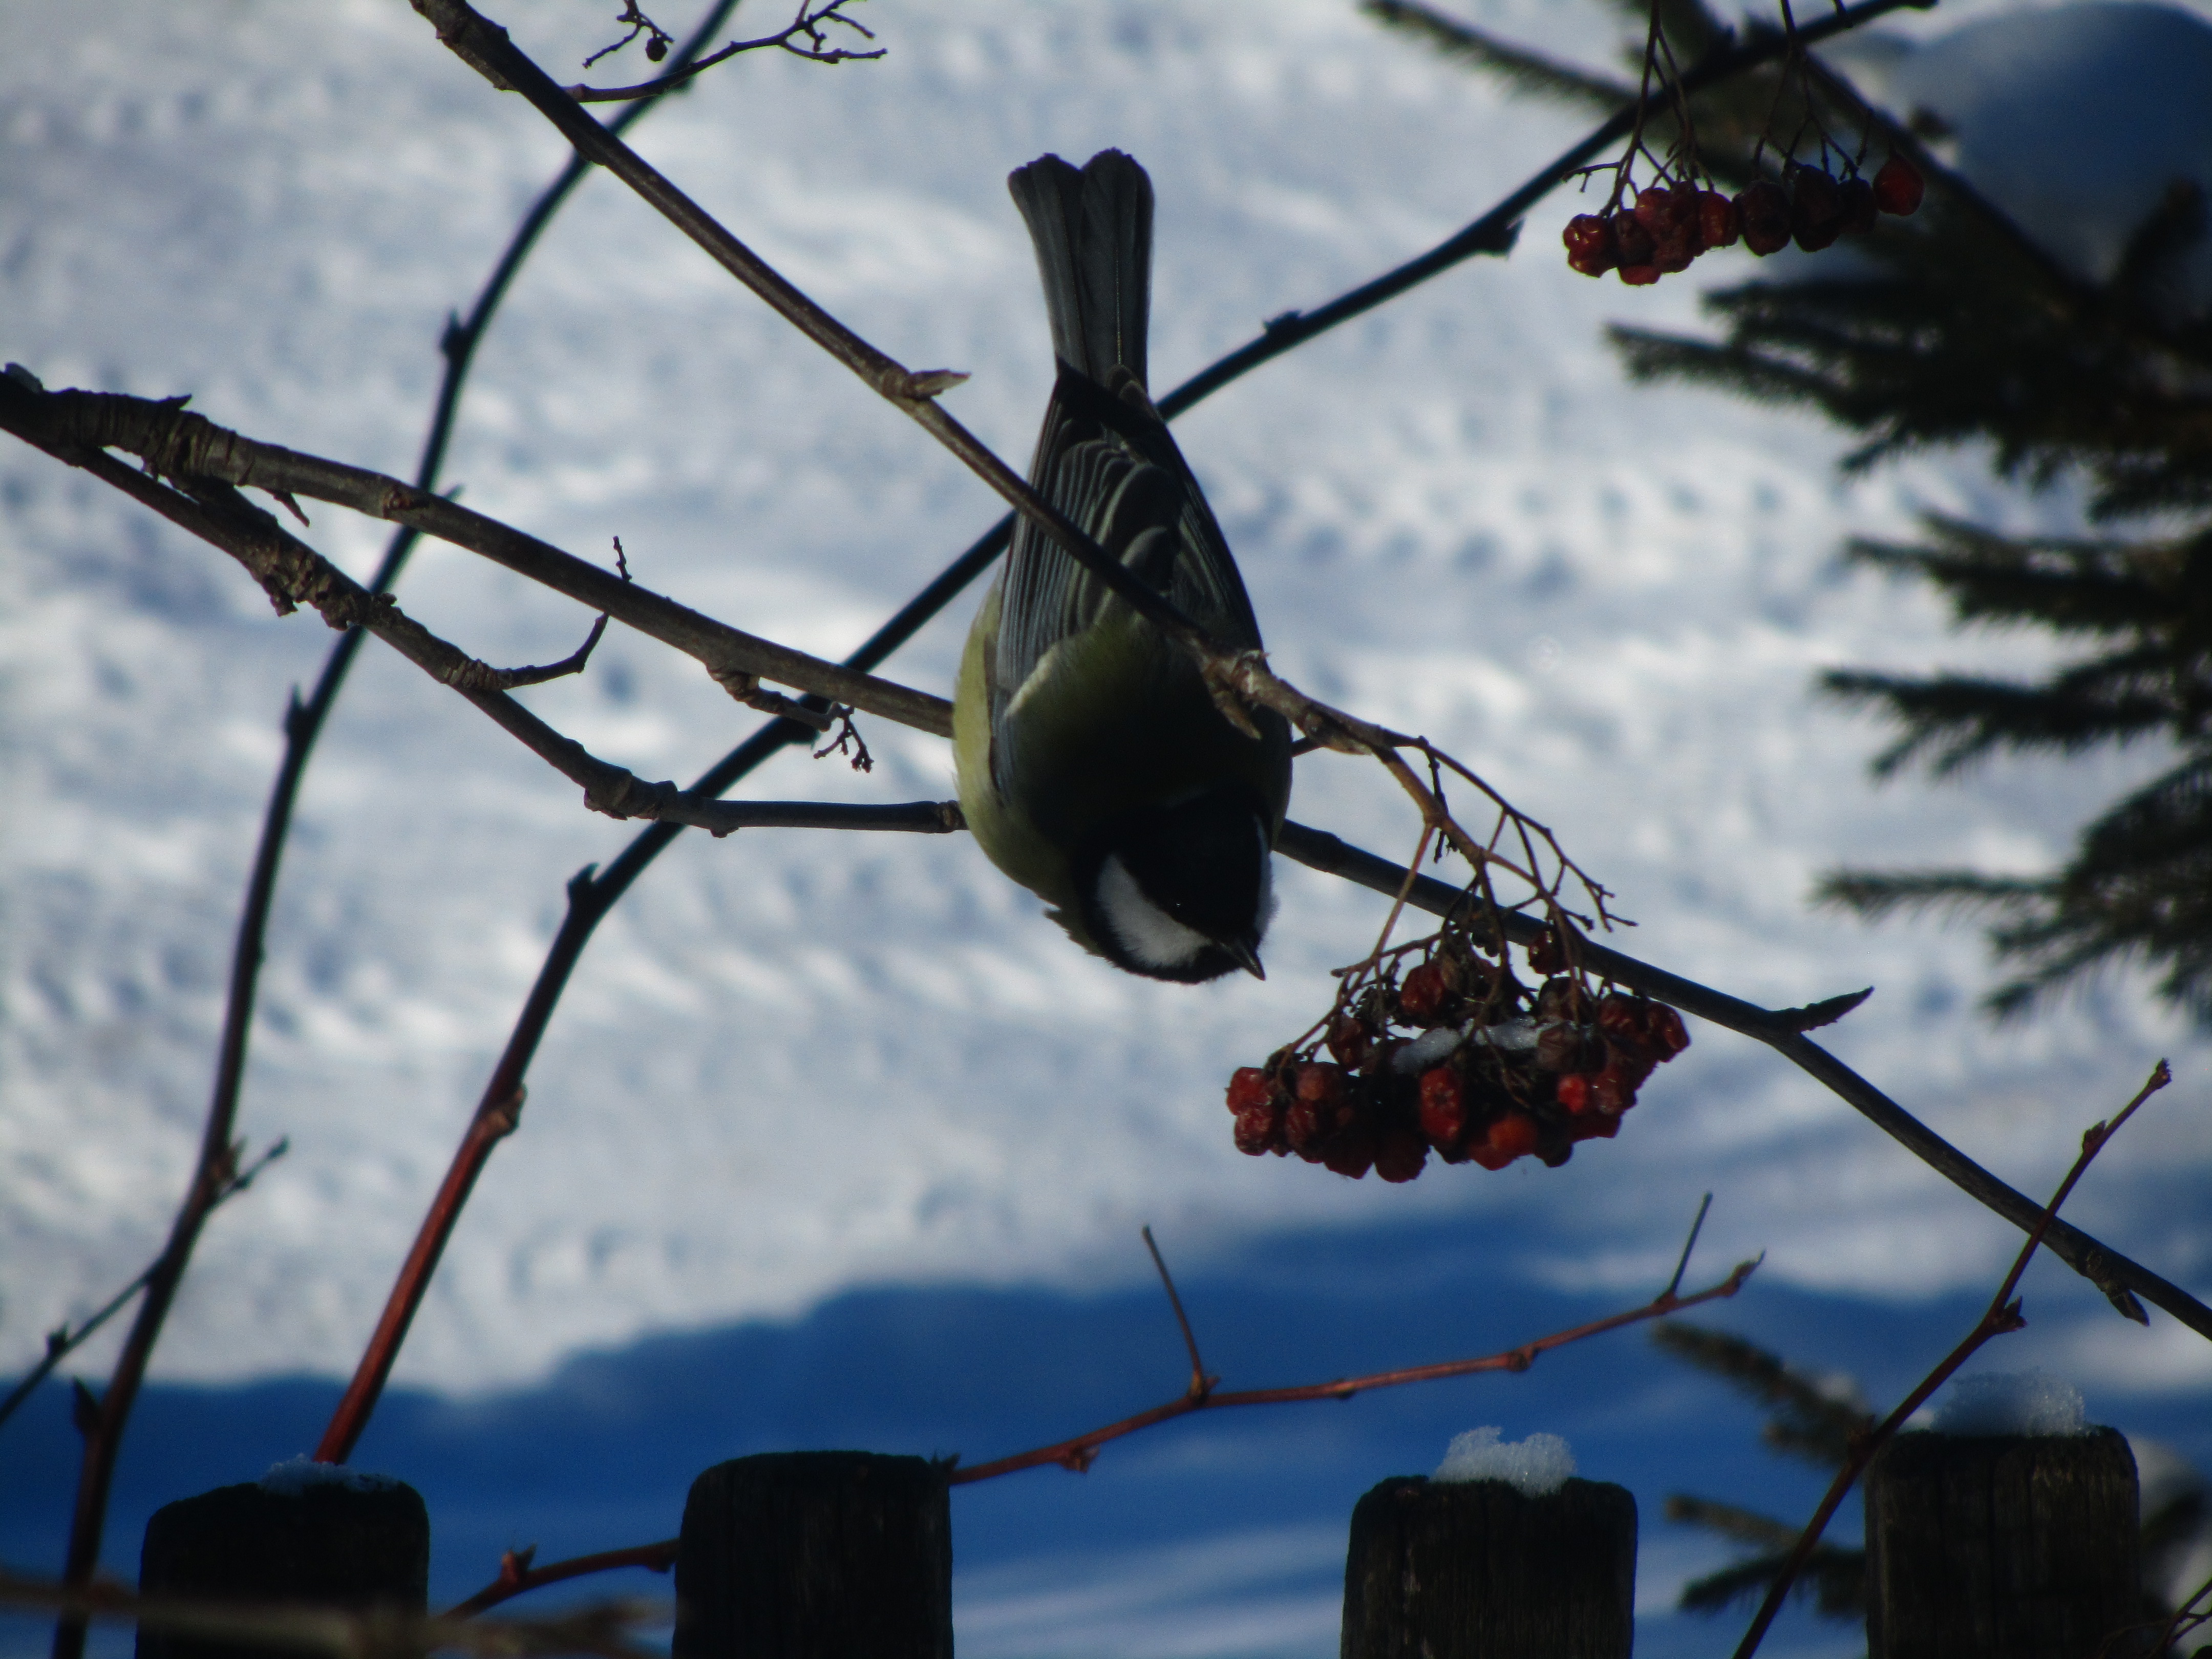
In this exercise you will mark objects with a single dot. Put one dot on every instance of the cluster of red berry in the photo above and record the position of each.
(1668, 227)
(1494, 1074)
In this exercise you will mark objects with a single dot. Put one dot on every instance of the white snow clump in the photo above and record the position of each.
(2011, 1402)
(1539, 1465)
(294, 1475)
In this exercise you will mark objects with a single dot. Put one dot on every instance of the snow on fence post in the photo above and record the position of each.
(306, 1533)
(816, 1553)
(1483, 1568)
(2024, 1545)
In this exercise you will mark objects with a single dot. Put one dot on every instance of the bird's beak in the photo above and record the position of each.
(1245, 956)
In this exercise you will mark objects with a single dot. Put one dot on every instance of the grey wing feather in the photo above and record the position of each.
(1104, 458)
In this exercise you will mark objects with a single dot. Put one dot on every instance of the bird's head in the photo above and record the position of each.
(1182, 889)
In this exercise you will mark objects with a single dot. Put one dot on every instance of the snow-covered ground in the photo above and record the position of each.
(793, 1063)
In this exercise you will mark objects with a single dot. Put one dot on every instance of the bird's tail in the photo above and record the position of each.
(1093, 233)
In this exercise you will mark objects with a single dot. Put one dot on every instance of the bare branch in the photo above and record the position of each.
(2001, 1318)
(2106, 1268)
(1077, 1454)
(804, 36)
(193, 451)
(517, 1576)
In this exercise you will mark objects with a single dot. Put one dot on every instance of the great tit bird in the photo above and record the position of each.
(1095, 769)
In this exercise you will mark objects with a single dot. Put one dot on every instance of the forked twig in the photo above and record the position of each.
(1200, 1384)
(1079, 1452)
(2001, 1316)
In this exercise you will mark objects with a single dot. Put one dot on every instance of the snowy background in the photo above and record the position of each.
(850, 1097)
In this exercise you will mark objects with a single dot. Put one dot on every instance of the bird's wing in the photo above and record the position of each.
(1109, 464)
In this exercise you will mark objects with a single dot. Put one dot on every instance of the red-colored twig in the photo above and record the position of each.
(496, 1117)
(517, 1577)
(1077, 1453)
(2002, 1316)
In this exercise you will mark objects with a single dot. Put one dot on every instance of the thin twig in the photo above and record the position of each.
(2111, 1272)
(191, 451)
(341, 1632)
(302, 724)
(592, 894)
(1688, 1245)
(1077, 1454)
(517, 1576)
(807, 24)
(1200, 1384)
(63, 1342)
(2001, 1316)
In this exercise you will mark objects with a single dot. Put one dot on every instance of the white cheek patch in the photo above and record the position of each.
(1148, 933)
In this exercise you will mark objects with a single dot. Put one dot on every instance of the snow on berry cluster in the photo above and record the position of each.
(1490, 1073)
(1670, 226)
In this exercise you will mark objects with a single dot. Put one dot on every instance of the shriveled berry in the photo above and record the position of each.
(1856, 196)
(1351, 1041)
(1717, 225)
(1353, 1152)
(1259, 1129)
(1573, 1092)
(1482, 1154)
(1663, 1031)
(1401, 1155)
(1320, 1083)
(1816, 210)
(1513, 1135)
(1422, 992)
(1594, 1126)
(1897, 187)
(1589, 237)
(1662, 209)
(1248, 1086)
(1632, 242)
(1565, 1047)
(1544, 956)
(1444, 1105)
(1762, 209)
(1639, 276)
(656, 49)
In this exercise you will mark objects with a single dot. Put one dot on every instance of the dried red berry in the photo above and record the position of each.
(1663, 1031)
(1544, 956)
(1763, 211)
(1422, 992)
(1482, 1154)
(1594, 1126)
(1353, 1152)
(1897, 187)
(1513, 1135)
(1573, 1092)
(1816, 210)
(1321, 1083)
(1351, 1041)
(1632, 242)
(1259, 1129)
(1856, 196)
(1589, 237)
(1401, 1155)
(1444, 1105)
(1248, 1086)
(1663, 210)
(1716, 220)
(1639, 276)
(1564, 1048)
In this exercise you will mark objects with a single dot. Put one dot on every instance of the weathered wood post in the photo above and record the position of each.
(1479, 1570)
(302, 1535)
(790, 1555)
(2020, 1545)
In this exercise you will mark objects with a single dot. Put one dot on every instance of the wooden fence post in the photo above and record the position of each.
(345, 1541)
(2020, 1545)
(791, 1555)
(1477, 1570)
